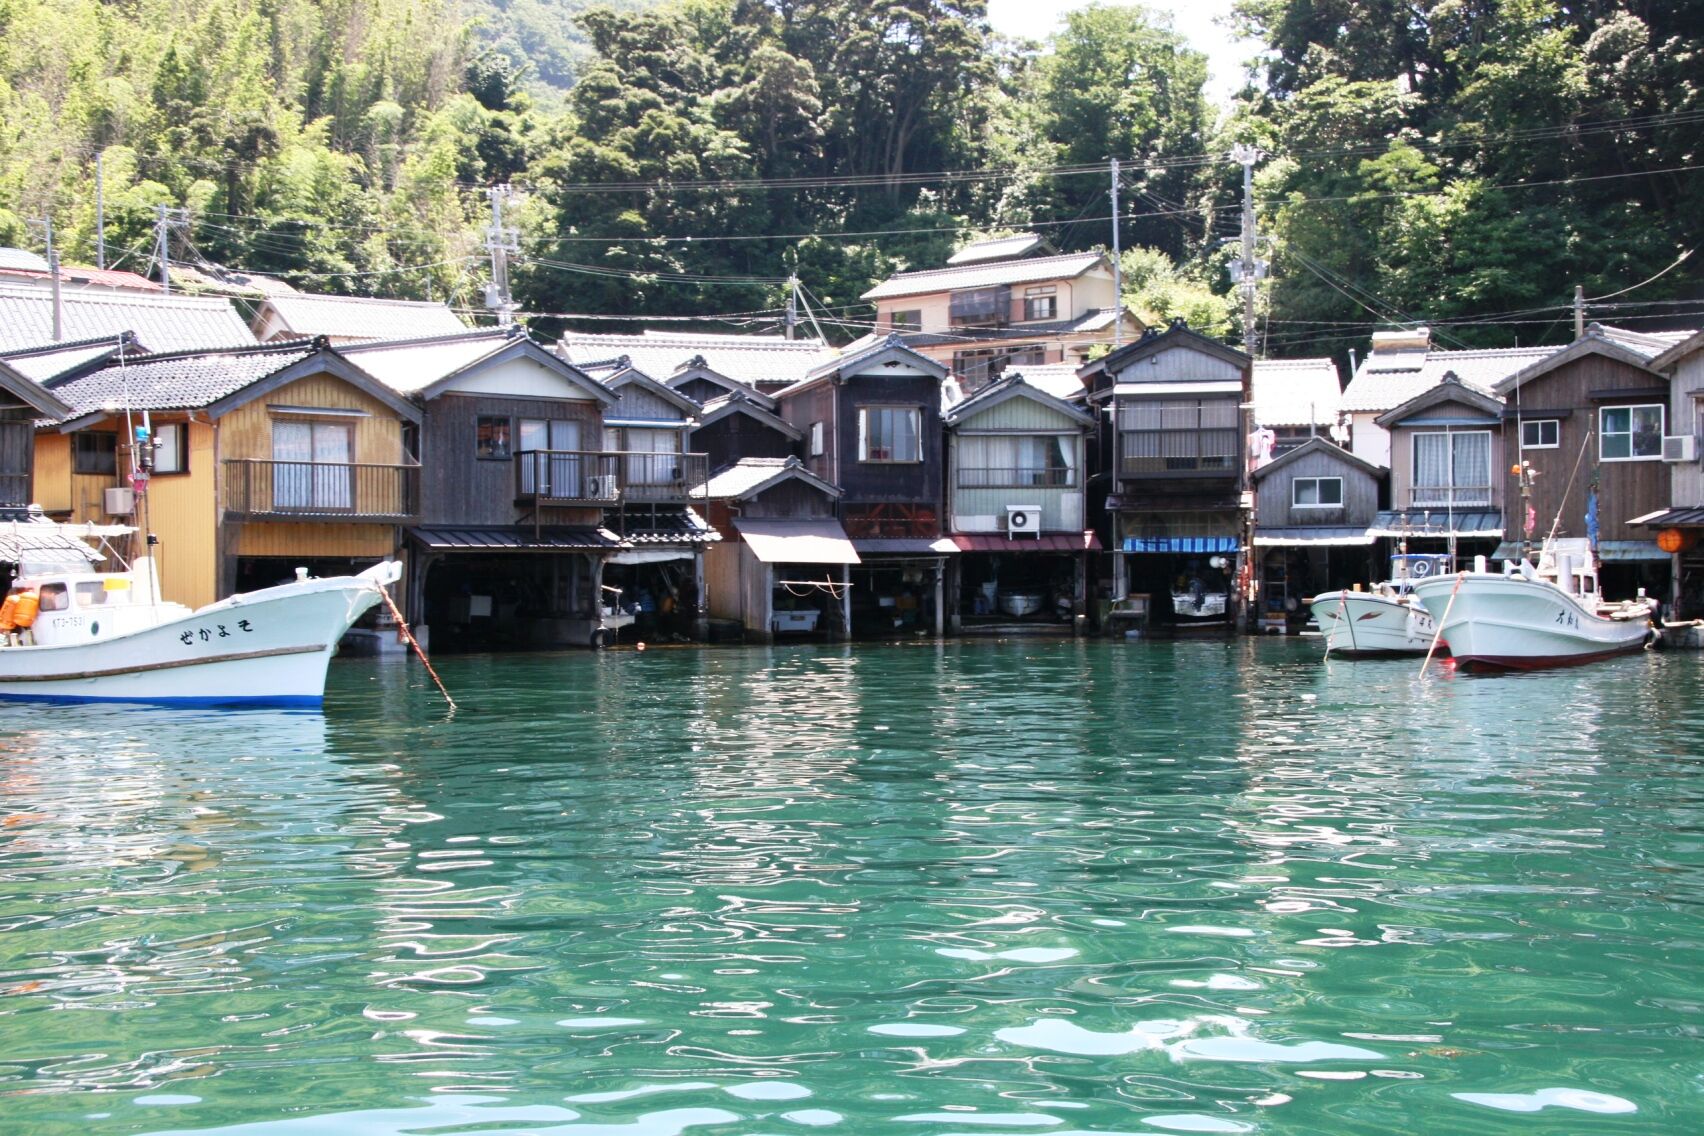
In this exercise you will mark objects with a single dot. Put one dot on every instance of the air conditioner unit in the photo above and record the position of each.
(1680, 448)
(1023, 520)
(120, 501)
(601, 487)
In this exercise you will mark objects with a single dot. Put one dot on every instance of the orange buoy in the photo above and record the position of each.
(29, 603)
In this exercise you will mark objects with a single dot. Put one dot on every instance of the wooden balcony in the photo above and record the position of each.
(606, 478)
(320, 491)
(1434, 497)
(1178, 453)
(1023, 477)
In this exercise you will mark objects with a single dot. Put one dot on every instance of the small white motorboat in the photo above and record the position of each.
(1527, 617)
(1385, 620)
(1019, 604)
(107, 637)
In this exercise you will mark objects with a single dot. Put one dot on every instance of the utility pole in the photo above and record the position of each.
(1248, 271)
(100, 209)
(165, 220)
(500, 242)
(1579, 312)
(792, 303)
(1117, 272)
(53, 273)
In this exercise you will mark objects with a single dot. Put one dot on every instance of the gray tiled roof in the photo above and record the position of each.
(361, 317)
(1649, 344)
(985, 275)
(760, 360)
(1295, 392)
(1387, 379)
(178, 382)
(1057, 379)
(412, 365)
(53, 360)
(164, 323)
(999, 248)
(748, 474)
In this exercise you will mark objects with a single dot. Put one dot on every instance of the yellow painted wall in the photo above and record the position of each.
(179, 509)
(309, 539)
(246, 432)
(53, 471)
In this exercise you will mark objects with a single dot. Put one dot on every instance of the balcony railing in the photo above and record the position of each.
(1165, 453)
(1450, 497)
(1008, 478)
(321, 491)
(594, 477)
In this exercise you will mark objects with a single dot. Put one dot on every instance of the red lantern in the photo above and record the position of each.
(1675, 540)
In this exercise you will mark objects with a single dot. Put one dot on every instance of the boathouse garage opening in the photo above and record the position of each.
(513, 602)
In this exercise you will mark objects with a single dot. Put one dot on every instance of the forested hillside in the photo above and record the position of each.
(1463, 161)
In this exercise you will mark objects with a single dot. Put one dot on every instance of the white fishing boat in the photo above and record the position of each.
(1526, 617)
(1385, 619)
(108, 637)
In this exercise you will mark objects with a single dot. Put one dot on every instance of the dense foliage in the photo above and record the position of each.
(1453, 160)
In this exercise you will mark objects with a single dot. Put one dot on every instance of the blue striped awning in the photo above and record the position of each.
(1180, 544)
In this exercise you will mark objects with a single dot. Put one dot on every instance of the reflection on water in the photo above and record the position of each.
(994, 888)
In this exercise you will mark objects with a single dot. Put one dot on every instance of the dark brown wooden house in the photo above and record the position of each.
(511, 542)
(1586, 427)
(871, 422)
(22, 402)
(1173, 447)
(741, 425)
(1314, 505)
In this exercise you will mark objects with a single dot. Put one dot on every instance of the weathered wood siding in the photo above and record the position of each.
(1626, 489)
(637, 402)
(701, 390)
(918, 482)
(460, 488)
(1274, 495)
(1686, 479)
(287, 538)
(817, 405)
(1180, 364)
(982, 509)
(729, 439)
(790, 499)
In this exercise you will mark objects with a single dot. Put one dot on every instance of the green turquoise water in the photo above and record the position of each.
(974, 888)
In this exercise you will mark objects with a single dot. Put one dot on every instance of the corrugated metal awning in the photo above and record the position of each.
(1663, 518)
(1303, 536)
(1607, 550)
(775, 541)
(1437, 522)
(515, 540)
(1048, 542)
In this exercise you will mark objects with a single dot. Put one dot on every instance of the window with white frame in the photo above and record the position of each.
(1541, 434)
(890, 434)
(816, 440)
(1630, 433)
(171, 447)
(1452, 469)
(1317, 493)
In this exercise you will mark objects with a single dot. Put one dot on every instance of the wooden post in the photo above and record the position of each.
(940, 605)
(846, 601)
(700, 604)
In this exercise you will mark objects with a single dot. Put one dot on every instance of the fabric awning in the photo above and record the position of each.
(650, 555)
(1437, 522)
(1048, 542)
(1304, 536)
(1180, 544)
(1172, 390)
(775, 541)
(904, 546)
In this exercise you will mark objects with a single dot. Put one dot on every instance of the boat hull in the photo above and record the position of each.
(264, 648)
(1369, 625)
(1498, 622)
